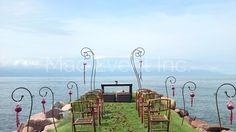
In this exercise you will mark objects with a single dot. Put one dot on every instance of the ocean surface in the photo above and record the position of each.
(204, 102)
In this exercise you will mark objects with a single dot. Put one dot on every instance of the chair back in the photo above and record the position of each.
(147, 96)
(161, 106)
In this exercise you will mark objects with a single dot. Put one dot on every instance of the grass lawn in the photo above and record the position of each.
(122, 117)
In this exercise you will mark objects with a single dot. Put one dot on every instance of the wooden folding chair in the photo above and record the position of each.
(159, 115)
(139, 93)
(82, 114)
(145, 104)
(101, 100)
(92, 96)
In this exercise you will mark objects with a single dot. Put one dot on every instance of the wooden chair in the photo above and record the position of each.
(82, 114)
(99, 93)
(145, 104)
(139, 99)
(92, 96)
(159, 115)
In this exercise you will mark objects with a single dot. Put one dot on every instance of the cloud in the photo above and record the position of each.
(179, 36)
(203, 33)
(19, 8)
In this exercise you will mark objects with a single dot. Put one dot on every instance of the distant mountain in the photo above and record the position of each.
(108, 67)
(129, 72)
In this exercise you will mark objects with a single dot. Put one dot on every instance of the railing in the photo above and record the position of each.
(70, 86)
(44, 101)
(172, 81)
(138, 52)
(192, 87)
(87, 53)
(230, 104)
(18, 108)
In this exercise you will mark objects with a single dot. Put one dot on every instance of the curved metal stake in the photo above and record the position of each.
(19, 100)
(189, 83)
(172, 80)
(70, 85)
(87, 53)
(138, 52)
(226, 93)
(44, 95)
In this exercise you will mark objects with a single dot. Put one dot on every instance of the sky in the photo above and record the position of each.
(200, 32)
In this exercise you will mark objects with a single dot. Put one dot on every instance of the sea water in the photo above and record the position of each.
(204, 106)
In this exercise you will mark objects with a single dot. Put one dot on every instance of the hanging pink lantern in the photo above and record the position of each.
(230, 106)
(43, 102)
(192, 96)
(18, 109)
(173, 89)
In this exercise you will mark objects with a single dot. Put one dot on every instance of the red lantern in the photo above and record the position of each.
(173, 89)
(43, 102)
(18, 109)
(230, 106)
(192, 96)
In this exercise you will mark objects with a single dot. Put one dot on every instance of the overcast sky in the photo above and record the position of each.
(200, 31)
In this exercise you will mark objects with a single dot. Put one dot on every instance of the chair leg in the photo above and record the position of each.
(99, 117)
(94, 127)
(168, 126)
(73, 128)
(94, 123)
(149, 121)
(150, 126)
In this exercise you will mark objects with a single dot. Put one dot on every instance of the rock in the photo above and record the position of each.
(227, 131)
(187, 119)
(177, 110)
(216, 128)
(38, 116)
(67, 107)
(56, 112)
(203, 127)
(197, 123)
(39, 121)
(31, 129)
(39, 125)
(183, 113)
(51, 119)
(59, 105)
(48, 127)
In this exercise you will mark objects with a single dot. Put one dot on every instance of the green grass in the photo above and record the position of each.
(122, 117)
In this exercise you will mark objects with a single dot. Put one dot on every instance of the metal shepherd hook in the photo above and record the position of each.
(192, 87)
(43, 96)
(138, 52)
(87, 53)
(172, 80)
(71, 85)
(226, 93)
(19, 100)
